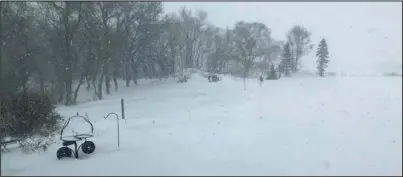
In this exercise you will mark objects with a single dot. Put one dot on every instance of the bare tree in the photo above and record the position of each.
(299, 38)
(251, 39)
(66, 18)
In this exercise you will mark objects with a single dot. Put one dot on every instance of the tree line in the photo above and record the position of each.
(55, 48)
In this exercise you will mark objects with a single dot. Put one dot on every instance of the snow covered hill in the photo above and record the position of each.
(292, 126)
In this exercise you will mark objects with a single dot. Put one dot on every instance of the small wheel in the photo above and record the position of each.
(88, 147)
(63, 152)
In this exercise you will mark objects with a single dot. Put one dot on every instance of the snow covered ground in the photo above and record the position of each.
(293, 126)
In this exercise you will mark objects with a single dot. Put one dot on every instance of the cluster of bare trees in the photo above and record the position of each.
(57, 47)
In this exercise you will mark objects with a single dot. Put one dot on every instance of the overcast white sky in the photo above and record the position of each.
(363, 37)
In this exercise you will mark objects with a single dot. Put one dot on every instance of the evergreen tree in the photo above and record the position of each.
(286, 59)
(280, 68)
(323, 54)
(272, 74)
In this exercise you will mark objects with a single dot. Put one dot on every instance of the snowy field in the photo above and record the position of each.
(293, 126)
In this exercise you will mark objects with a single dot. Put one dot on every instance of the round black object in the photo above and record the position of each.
(63, 152)
(88, 147)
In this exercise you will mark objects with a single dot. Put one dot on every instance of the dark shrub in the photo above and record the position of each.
(26, 115)
(213, 78)
(272, 75)
(183, 78)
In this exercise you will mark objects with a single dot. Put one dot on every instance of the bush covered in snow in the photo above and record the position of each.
(183, 78)
(213, 78)
(186, 74)
(35, 144)
(27, 115)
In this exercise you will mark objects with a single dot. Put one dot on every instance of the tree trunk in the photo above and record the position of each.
(246, 72)
(1, 55)
(60, 85)
(134, 72)
(188, 55)
(128, 79)
(287, 72)
(77, 89)
(100, 86)
(68, 57)
(107, 82)
(69, 83)
(41, 79)
(295, 67)
(88, 83)
(134, 77)
(115, 79)
(172, 61)
(127, 75)
(94, 81)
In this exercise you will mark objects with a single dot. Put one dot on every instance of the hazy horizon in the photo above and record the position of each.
(363, 37)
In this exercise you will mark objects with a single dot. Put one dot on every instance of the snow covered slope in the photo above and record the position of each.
(293, 126)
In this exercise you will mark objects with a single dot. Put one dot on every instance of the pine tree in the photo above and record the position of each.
(280, 68)
(286, 60)
(272, 74)
(323, 54)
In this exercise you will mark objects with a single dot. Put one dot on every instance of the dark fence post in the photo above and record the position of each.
(122, 104)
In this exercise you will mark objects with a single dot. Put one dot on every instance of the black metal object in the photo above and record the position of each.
(87, 147)
(122, 104)
(77, 116)
(117, 120)
(64, 152)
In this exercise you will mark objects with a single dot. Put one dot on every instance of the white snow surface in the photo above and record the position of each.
(292, 126)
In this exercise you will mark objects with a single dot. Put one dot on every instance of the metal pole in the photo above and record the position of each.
(118, 131)
(117, 119)
(122, 104)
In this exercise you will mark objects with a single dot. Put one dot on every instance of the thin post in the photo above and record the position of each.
(117, 120)
(118, 131)
(122, 104)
